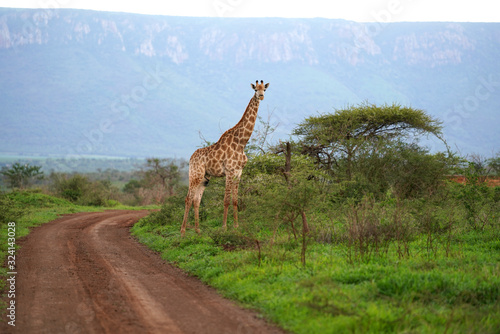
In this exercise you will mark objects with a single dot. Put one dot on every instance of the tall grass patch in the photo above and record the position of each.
(373, 266)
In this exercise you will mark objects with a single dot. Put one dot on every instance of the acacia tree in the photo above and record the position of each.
(335, 140)
(20, 176)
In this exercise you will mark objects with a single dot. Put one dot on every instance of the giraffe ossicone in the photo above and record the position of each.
(224, 158)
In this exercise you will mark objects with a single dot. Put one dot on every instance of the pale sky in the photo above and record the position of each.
(356, 10)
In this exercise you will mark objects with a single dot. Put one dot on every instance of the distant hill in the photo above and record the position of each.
(76, 82)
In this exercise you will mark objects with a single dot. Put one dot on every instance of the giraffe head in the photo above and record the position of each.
(259, 89)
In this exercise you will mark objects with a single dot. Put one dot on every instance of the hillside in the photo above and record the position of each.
(77, 82)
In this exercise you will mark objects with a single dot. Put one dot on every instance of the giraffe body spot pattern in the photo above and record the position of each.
(225, 158)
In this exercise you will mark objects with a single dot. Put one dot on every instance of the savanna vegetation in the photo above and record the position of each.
(351, 227)
(147, 182)
(354, 227)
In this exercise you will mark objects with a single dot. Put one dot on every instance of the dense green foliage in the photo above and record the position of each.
(371, 267)
(337, 140)
(479, 202)
(374, 149)
(80, 190)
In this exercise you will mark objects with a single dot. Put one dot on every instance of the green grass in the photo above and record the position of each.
(458, 293)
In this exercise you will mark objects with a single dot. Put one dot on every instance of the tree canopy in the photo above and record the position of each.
(163, 172)
(20, 176)
(341, 135)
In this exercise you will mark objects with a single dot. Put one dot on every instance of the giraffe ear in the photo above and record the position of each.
(253, 86)
(266, 85)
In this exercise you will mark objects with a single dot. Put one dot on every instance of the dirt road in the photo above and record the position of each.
(84, 273)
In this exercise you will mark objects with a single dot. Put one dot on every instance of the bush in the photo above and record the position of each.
(230, 240)
(70, 188)
(112, 203)
(408, 170)
(9, 211)
(371, 228)
(35, 198)
(479, 201)
(171, 212)
(80, 190)
(96, 194)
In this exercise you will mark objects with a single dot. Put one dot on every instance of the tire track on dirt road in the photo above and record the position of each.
(84, 273)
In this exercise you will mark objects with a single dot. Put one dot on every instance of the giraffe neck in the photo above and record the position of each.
(244, 128)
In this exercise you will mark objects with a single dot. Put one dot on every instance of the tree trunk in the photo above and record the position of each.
(305, 230)
(288, 162)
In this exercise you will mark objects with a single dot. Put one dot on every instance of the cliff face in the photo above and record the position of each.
(62, 63)
(447, 47)
(310, 41)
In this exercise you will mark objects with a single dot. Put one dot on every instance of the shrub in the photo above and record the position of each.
(479, 201)
(408, 170)
(9, 211)
(170, 214)
(370, 229)
(230, 240)
(80, 190)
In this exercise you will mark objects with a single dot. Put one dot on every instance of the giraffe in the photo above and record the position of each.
(224, 158)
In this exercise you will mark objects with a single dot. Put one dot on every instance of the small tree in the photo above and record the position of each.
(164, 172)
(494, 165)
(160, 179)
(21, 176)
(282, 192)
(477, 199)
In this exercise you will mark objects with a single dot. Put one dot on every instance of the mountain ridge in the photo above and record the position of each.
(145, 85)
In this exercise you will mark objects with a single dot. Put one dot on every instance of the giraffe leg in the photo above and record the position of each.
(236, 183)
(195, 182)
(188, 201)
(196, 205)
(227, 198)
